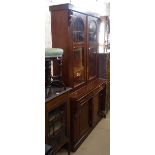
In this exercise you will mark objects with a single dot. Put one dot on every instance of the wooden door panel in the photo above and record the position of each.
(96, 109)
(84, 118)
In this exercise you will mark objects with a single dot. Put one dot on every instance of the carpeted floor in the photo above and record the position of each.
(97, 143)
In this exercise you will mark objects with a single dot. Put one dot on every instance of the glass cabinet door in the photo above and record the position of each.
(92, 48)
(79, 68)
(78, 30)
(92, 71)
(78, 39)
(92, 31)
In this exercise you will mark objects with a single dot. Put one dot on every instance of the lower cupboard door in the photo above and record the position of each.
(84, 118)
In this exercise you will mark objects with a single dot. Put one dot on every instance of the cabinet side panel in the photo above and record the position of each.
(92, 47)
(60, 39)
(96, 117)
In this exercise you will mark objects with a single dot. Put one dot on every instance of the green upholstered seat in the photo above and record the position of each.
(53, 52)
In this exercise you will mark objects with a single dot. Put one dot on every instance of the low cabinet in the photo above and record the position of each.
(57, 124)
(85, 110)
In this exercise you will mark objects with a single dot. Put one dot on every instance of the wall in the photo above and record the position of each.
(48, 38)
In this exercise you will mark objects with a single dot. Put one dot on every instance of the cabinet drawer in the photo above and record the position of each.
(98, 90)
(85, 99)
(83, 103)
(89, 97)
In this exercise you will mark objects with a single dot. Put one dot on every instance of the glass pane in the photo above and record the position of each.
(92, 63)
(92, 31)
(92, 53)
(78, 66)
(78, 30)
(101, 37)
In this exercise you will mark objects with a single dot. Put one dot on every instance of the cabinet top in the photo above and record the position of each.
(53, 92)
(68, 6)
(88, 89)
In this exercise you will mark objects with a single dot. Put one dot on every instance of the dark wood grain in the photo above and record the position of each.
(85, 108)
(86, 99)
(62, 37)
(104, 73)
(51, 105)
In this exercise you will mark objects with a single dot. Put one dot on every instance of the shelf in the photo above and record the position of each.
(77, 45)
(56, 117)
(56, 131)
(53, 117)
(59, 139)
(78, 71)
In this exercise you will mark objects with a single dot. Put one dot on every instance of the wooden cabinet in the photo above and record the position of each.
(104, 73)
(76, 32)
(107, 103)
(96, 102)
(92, 47)
(57, 119)
(84, 117)
(85, 111)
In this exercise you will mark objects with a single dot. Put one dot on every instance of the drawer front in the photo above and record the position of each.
(86, 98)
(96, 91)
(90, 96)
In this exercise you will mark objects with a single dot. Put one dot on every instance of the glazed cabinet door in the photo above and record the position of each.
(78, 33)
(56, 124)
(92, 48)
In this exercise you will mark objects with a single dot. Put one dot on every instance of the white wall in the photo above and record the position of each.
(48, 39)
(103, 7)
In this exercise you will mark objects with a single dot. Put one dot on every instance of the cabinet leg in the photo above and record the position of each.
(103, 114)
(68, 148)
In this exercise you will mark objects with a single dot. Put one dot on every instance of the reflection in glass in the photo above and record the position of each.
(78, 66)
(101, 37)
(78, 29)
(92, 31)
(92, 52)
(92, 63)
